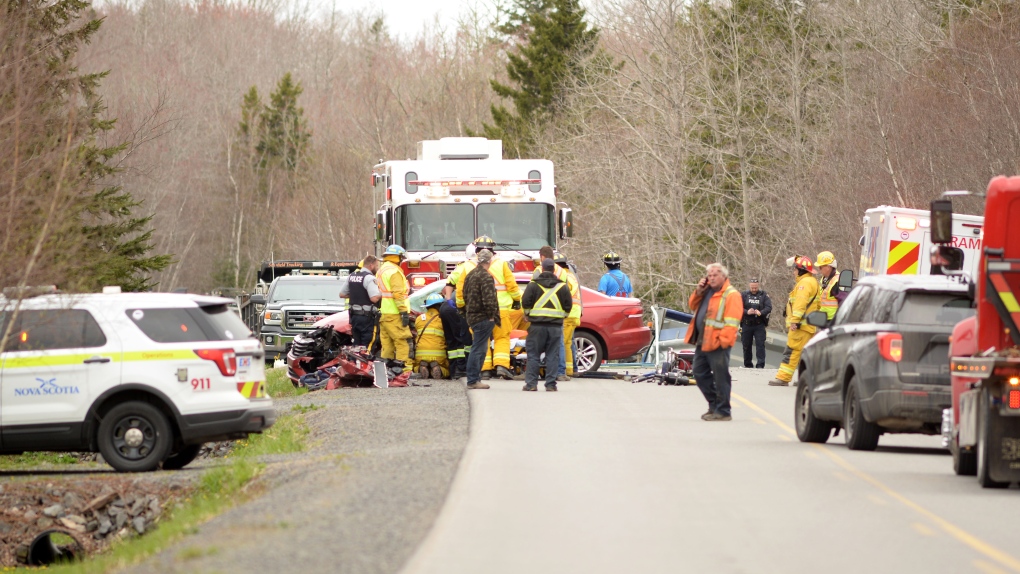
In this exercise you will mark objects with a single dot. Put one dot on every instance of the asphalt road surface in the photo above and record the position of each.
(609, 476)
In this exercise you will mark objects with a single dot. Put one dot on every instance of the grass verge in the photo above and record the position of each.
(279, 385)
(219, 489)
(33, 460)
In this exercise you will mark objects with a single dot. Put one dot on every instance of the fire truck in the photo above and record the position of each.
(897, 241)
(982, 429)
(458, 189)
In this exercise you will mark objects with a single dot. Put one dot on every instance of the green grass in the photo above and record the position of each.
(30, 460)
(278, 385)
(218, 489)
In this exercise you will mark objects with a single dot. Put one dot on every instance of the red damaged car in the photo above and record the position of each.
(611, 327)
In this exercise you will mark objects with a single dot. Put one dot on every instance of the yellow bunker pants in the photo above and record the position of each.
(499, 356)
(393, 336)
(518, 320)
(795, 342)
(569, 324)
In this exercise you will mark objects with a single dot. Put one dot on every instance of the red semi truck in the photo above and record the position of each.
(982, 430)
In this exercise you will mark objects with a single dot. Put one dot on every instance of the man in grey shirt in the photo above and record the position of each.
(362, 289)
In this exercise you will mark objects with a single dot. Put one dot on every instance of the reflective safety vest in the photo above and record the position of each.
(827, 301)
(431, 342)
(720, 321)
(548, 297)
(393, 286)
(507, 290)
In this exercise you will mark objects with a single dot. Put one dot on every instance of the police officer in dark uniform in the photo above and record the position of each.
(458, 338)
(362, 289)
(757, 308)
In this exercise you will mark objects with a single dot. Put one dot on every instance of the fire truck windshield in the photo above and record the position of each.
(424, 227)
(527, 226)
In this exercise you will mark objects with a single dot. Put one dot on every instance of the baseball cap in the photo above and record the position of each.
(548, 265)
(484, 256)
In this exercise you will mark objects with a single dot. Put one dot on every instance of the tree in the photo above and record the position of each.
(557, 36)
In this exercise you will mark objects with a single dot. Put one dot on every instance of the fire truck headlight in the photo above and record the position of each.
(512, 191)
(438, 191)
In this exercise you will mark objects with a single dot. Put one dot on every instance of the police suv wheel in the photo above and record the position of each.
(181, 458)
(134, 437)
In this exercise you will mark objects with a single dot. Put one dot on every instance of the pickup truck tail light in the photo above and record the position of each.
(890, 346)
(225, 359)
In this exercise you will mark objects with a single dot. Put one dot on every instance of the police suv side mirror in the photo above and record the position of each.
(846, 280)
(817, 319)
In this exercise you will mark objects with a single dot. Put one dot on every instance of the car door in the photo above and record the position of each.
(44, 377)
(827, 393)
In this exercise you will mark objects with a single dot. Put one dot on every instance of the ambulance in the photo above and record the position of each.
(461, 188)
(897, 241)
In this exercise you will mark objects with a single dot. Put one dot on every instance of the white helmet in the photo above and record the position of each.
(469, 251)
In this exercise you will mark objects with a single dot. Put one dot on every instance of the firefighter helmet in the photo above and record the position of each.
(434, 299)
(485, 242)
(611, 258)
(826, 258)
(801, 262)
(395, 250)
(561, 260)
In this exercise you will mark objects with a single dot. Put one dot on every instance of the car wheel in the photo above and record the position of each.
(860, 434)
(809, 428)
(983, 472)
(182, 457)
(964, 461)
(587, 352)
(134, 437)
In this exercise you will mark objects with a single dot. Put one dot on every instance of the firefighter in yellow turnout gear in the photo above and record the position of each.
(804, 299)
(395, 310)
(509, 296)
(826, 263)
(430, 347)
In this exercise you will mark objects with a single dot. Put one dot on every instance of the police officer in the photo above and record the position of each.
(362, 289)
(757, 308)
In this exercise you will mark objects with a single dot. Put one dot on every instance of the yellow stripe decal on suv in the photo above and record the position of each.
(55, 360)
(252, 390)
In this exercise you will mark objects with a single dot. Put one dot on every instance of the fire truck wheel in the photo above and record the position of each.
(964, 461)
(809, 428)
(182, 457)
(134, 437)
(983, 472)
(860, 434)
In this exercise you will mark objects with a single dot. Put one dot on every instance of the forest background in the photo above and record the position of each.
(683, 132)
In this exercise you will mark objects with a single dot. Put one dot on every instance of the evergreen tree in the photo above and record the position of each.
(63, 167)
(556, 36)
(277, 133)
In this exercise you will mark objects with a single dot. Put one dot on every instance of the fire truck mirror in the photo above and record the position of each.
(846, 280)
(566, 223)
(409, 182)
(942, 221)
(381, 233)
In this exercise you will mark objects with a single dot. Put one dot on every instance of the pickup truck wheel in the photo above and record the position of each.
(182, 457)
(270, 363)
(983, 473)
(860, 434)
(809, 428)
(587, 352)
(134, 437)
(964, 461)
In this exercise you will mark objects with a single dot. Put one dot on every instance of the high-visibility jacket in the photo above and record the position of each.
(393, 286)
(568, 277)
(803, 301)
(548, 304)
(431, 342)
(507, 290)
(722, 319)
(827, 297)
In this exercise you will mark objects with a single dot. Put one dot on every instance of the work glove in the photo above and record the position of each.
(516, 305)
(405, 319)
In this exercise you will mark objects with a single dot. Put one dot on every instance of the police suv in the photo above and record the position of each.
(144, 378)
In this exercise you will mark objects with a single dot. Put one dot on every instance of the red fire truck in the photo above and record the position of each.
(982, 430)
(458, 189)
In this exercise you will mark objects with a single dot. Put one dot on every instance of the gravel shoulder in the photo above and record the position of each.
(359, 500)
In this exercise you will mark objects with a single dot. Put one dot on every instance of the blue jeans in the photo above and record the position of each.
(712, 372)
(543, 338)
(563, 356)
(482, 331)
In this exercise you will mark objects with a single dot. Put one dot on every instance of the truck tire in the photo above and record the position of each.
(182, 457)
(983, 473)
(809, 428)
(860, 434)
(134, 436)
(964, 461)
(588, 352)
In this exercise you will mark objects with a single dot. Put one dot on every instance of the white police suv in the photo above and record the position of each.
(144, 378)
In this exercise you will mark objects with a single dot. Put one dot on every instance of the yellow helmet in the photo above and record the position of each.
(825, 258)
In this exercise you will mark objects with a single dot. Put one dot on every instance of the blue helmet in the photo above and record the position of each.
(434, 299)
(395, 250)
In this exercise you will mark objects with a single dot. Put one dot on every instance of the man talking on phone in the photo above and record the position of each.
(717, 311)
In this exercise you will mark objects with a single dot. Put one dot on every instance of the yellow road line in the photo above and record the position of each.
(1001, 557)
(922, 529)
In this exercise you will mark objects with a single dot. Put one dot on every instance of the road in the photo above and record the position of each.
(609, 476)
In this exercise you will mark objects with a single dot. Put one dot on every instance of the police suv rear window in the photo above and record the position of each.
(187, 325)
(935, 309)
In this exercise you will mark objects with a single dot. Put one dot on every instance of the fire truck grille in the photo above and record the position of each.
(450, 267)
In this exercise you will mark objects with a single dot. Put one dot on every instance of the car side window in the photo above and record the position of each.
(844, 309)
(883, 306)
(860, 307)
(56, 329)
